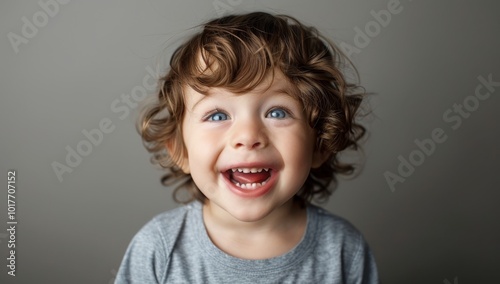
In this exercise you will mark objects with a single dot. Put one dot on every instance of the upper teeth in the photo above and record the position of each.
(250, 170)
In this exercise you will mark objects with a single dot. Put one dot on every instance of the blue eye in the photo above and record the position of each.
(217, 116)
(277, 113)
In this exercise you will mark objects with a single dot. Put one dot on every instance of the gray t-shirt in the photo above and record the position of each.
(174, 247)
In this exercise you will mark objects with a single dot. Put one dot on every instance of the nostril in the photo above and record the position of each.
(249, 145)
(248, 138)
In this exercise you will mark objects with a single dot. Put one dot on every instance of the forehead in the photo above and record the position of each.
(274, 82)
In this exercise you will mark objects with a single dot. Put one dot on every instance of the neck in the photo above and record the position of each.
(273, 235)
(278, 218)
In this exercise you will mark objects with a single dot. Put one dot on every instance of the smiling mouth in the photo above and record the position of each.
(249, 178)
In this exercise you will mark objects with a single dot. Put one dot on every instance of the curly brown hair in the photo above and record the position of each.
(237, 52)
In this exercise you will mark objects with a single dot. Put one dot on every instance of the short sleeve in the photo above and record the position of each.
(145, 259)
(363, 269)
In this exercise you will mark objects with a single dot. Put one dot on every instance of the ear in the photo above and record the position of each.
(182, 162)
(318, 159)
(319, 156)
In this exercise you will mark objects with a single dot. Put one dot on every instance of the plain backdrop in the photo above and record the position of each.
(69, 68)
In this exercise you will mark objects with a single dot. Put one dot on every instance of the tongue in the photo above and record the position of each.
(250, 177)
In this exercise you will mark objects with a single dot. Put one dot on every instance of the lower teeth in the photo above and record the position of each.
(250, 185)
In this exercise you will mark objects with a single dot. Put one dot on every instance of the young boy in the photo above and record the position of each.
(250, 118)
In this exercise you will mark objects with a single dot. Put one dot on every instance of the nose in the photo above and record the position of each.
(249, 134)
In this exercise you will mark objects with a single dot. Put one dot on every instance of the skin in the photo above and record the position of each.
(265, 127)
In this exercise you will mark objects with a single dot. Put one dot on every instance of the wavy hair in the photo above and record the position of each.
(238, 52)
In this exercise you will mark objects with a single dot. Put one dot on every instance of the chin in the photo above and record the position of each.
(242, 214)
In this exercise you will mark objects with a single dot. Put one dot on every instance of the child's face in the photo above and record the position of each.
(266, 132)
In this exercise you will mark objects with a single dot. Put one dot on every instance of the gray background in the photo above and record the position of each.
(439, 226)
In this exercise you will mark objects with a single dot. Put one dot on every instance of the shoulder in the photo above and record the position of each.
(344, 244)
(157, 225)
(164, 224)
(149, 252)
(164, 228)
(336, 227)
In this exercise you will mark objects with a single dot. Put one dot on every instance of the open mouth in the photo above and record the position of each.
(249, 178)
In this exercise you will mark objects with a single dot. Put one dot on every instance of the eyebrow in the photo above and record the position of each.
(199, 101)
(285, 91)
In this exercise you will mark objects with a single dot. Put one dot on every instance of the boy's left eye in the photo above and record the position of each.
(277, 113)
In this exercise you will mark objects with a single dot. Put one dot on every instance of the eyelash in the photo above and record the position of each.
(287, 112)
(209, 115)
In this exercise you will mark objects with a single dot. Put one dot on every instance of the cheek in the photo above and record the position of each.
(202, 154)
(297, 151)
(202, 146)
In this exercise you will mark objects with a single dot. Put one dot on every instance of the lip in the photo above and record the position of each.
(253, 193)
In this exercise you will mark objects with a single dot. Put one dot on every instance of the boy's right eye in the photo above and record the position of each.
(217, 116)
